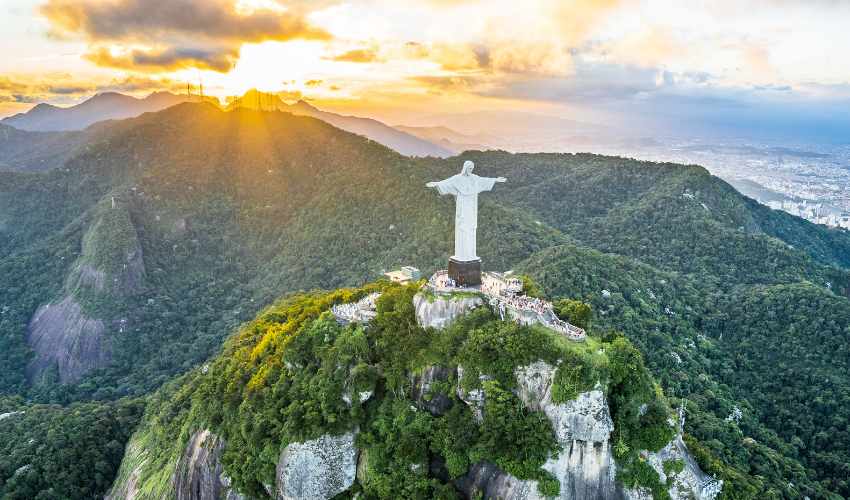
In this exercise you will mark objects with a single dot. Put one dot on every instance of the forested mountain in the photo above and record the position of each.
(398, 140)
(299, 405)
(34, 151)
(130, 263)
(104, 106)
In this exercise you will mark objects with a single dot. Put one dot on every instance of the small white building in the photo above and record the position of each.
(405, 275)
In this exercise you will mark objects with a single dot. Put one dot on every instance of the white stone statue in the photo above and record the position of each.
(465, 187)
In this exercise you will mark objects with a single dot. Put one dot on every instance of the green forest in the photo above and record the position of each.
(281, 378)
(49, 452)
(732, 305)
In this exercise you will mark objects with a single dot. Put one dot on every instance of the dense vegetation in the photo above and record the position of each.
(48, 452)
(733, 305)
(283, 377)
(723, 351)
(261, 206)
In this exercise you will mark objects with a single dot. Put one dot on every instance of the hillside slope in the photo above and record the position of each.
(35, 151)
(227, 210)
(397, 140)
(300, 406)
(215, 214)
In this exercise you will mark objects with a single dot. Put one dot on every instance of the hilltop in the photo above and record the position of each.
(399, 140)
(159, 235)
(301, 406)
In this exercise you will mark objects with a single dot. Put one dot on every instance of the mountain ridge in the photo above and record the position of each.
(403, 142)
(102, 106)
(234, 209)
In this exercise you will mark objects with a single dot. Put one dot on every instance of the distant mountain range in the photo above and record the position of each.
(405, 143)
(106, 106)
(450, 139)
(112, 106)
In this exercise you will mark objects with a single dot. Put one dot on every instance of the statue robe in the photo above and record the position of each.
(465, 189)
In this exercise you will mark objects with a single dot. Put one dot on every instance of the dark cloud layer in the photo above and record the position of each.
(174, 33)
(170, 59)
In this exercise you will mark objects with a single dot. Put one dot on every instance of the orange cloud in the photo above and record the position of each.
(357, 56)
(187, 33)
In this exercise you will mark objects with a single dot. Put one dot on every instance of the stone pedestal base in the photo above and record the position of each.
(466, 274)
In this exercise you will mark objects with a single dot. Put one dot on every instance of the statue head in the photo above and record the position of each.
(467, 167)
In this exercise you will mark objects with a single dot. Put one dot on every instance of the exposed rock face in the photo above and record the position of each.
(691, 482)
(585, 418)
(86, 275)
(491, 482)
(585, 467)
(127, 487)
(362, 397)
(318, 469)
(473, 398)
(199, 474)
(442, 310)
(61, 335)
(111, 265)
(111, 261)
(435, 403)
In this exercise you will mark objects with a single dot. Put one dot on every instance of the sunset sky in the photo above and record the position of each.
(593, 60)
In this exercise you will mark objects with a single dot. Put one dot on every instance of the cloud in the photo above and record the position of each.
(448, 83)
(170, 59)
(290, 95)
(65, 89)
(166, 35)
(313, 83)
(509, 37)
(357, 56)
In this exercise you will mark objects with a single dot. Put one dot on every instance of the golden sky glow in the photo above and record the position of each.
(395, 57)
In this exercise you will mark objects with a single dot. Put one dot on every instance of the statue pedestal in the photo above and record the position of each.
(465, 273)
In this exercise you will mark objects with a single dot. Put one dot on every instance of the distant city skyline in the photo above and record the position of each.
(771, 66)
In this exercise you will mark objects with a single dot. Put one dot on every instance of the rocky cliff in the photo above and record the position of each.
(63, 337)
(585, 466)
(478, 410)
(199, 474)
(438, 311)
(67, 334)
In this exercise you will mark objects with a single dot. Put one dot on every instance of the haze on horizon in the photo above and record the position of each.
(774, 65)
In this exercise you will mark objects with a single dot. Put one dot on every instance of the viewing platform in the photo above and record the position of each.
(362, 311)
(504, 294)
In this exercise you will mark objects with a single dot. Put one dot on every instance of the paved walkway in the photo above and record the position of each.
(504, 294)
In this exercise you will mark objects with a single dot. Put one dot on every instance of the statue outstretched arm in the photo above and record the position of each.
(432, 184)
(501, 179)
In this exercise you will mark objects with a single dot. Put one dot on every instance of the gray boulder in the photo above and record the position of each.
(317, 469)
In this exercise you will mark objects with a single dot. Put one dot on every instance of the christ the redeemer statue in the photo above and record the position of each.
(464, 265)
